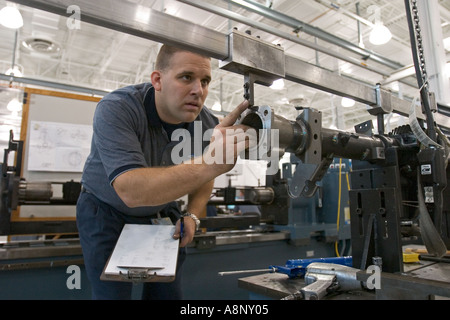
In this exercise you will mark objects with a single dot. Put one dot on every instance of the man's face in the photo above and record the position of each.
(182, 88)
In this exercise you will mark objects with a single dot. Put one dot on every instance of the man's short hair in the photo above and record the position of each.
(165, 54)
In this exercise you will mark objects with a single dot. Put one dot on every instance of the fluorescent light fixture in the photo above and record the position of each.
(10, 17)
(277, 84)
(347, 102)
(380, 34)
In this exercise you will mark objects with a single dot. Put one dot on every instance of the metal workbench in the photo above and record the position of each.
(423, 281)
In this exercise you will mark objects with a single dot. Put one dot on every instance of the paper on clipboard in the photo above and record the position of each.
(147, 247)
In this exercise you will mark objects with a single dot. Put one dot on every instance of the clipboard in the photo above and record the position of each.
(143, 253)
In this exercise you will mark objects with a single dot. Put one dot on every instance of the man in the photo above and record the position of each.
(129, 176)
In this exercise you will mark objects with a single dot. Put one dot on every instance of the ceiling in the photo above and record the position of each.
(104, 59)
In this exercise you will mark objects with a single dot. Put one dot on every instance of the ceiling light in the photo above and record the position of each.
(447, 44)
(447, 69)
(14, 72)
(14, 105)
(277, 84)
(217, 106)
(347, 102)
(10, 17)
(41, 45)
(380, 34)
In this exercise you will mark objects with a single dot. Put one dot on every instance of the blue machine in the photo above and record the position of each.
(318, 215)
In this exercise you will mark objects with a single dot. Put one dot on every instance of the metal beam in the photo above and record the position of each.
(142, 22)
(274, 31)
(164, 28)
(51, 84)
(399, 74)
(298, 25)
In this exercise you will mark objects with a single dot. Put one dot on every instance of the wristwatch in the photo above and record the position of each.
(193, 217)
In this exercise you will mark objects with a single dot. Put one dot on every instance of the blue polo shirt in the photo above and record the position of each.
(128, 134)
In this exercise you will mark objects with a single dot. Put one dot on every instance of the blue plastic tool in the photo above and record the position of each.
(297, 267)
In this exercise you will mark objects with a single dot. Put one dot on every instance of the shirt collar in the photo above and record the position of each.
(150, 108)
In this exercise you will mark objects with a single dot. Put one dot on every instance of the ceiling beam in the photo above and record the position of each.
(164, 28)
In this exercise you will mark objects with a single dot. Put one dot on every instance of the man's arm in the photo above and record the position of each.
(198, 200)
(157, 186)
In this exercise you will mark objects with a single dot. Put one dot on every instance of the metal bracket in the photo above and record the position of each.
(249, 89)
(260, 118)
(306, 176)
(248, 54)
(313, 165)
(138, 274)
(259, 61)
(382, 106)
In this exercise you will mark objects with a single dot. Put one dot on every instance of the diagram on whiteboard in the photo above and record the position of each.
(60, 147)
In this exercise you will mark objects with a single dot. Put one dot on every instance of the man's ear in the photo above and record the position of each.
(156, 80)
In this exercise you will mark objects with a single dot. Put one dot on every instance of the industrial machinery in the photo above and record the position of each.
(383, 180)
(398, 182)
(322, 215)
(16, 191)
(398, 179)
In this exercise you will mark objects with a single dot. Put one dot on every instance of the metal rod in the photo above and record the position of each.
(13, 62)
(51, 84)
(226, 273)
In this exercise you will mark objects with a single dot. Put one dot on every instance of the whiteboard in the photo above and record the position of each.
(61, 147)
(65, 112)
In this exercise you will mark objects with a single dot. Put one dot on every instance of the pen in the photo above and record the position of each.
(181, 227)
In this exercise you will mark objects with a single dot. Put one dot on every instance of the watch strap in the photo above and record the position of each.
(193, 217)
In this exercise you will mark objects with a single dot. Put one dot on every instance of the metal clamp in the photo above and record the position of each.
(138, 274)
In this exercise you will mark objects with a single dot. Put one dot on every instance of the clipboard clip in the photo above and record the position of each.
(138, 274)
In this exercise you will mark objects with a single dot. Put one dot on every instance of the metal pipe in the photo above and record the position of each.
(295, 137)
(35, 191)
(352, 145)
(13, 62)
(51, 84)
(358, 23)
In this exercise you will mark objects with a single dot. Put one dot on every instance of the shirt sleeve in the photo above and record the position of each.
(117, 125)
